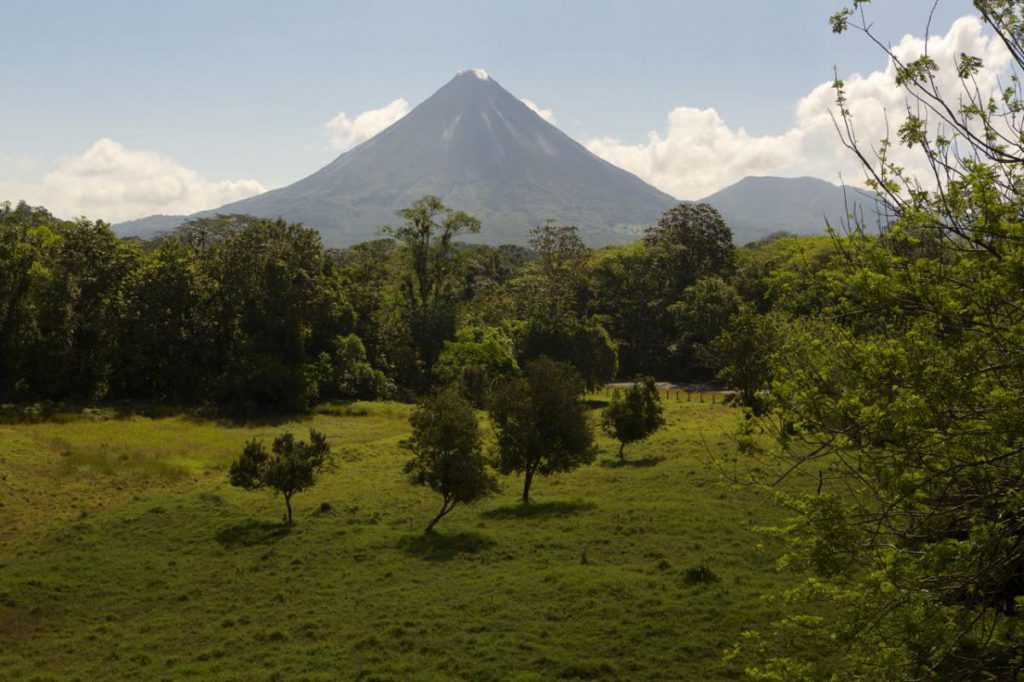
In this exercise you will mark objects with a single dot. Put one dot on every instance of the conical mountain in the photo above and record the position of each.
(481, 150)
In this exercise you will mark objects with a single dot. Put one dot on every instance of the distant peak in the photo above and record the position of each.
(478, 73)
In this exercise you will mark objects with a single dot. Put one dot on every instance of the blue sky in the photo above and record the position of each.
(244, 89)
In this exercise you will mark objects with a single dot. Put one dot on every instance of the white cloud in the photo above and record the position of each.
(699, 153)
(347, 132)
(115, 183)
(479, 73)
(546, 114)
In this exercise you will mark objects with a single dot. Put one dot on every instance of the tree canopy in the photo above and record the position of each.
(290, 467)
(899, 392)
(542, 422)
(634, 414)
(448, 455)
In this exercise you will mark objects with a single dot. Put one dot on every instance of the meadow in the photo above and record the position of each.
(125, 554)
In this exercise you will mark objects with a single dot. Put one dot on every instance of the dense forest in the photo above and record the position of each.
(250, 316)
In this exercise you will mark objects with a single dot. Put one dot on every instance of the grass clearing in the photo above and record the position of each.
(124, 553)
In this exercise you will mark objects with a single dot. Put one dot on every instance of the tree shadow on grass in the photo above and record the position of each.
(438, 547)
(641, 463)
(539, 510)
(252, 533)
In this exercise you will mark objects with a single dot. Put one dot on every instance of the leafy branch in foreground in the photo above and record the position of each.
(903, 398)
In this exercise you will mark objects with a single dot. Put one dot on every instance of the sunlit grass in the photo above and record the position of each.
(124, 553)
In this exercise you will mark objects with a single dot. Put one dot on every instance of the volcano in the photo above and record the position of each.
(479, 149)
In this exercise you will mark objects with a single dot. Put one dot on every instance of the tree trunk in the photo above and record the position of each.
(622, 445)
(288, 504)
(526, 483)
(445, 508)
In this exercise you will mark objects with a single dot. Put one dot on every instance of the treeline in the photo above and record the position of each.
(252, 315)
(248, 315)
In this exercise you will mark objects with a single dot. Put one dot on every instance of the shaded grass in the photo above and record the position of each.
(252, 533)
(436, 546)
(539, 510)
(642, 462)
(105, 575)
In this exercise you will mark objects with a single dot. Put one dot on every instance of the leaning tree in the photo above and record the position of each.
(448, 456)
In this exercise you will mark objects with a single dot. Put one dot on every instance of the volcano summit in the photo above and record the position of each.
(481, 150)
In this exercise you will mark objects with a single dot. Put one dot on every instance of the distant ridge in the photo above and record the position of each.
(756, 207)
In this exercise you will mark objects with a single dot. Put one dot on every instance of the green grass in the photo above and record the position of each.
(124, 553)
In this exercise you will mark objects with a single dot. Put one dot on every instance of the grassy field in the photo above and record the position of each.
(124, 553)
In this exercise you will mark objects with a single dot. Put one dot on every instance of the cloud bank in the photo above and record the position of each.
(345, 132)
(699, 153)
(696, 154)
(115, 183)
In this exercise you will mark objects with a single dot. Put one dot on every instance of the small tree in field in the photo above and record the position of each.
(290, 467)
(448, 457)
(634, 414)
(542, 422)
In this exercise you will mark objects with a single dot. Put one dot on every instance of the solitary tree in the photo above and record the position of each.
(542, 422)
(447, 452)
(290, 467)
(634, 414)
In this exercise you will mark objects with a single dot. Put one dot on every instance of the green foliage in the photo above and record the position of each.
(430, 277)
(784, 273)
(475, 360)
(702, 313)
(743, 352)
(903, 391)
(552, 303)
(448, 457)
(584, 344)
(634, 414)
(688, 242)
(347, 374)
(275, 309)
(555, 286)
(61, 290)
(542, 422)
(623, 294)
(290, 467)
(643, 295)
(254, 317)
